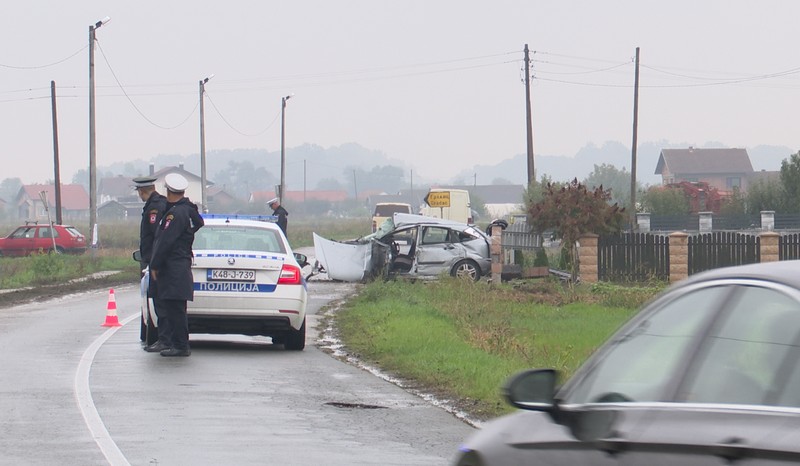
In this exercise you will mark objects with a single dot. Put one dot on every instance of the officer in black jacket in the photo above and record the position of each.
(154, 206)
(280, 212)
(171, 263)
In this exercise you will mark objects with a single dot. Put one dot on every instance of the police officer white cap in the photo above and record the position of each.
(176, 183)
(273, 201)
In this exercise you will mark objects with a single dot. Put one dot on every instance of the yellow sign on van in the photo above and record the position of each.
(439, 199)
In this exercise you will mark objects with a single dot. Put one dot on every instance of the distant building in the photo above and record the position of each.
(74, 202)
(724, 169)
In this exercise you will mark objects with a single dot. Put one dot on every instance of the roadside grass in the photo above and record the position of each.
(300, 231)
(462, 340)
(55, 269)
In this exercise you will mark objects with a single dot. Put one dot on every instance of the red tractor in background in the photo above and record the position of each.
(702, 197)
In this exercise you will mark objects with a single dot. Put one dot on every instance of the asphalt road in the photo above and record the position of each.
(77, 393)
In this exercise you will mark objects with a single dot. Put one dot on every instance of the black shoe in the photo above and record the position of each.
(176, 352)
(156, 347)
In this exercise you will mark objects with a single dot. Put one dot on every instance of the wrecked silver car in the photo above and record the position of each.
(409, 245)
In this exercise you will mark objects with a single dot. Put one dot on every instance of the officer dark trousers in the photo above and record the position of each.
(164, 324)
(174, 311)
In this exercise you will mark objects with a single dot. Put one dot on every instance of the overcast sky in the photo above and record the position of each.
(437, 84)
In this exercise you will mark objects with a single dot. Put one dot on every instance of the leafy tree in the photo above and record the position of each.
(572, 210)
(242, 178)
(765, 195)
(330, 184)
(790, 180)
(660, 200)
(736, 204)
(618, 182)
(388, 178)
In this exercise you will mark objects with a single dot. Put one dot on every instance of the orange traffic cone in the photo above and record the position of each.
(111, 314)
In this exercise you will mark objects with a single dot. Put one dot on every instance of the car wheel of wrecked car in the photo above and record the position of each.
(296, 339)
(466, 269)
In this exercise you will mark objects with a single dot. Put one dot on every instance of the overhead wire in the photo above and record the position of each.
(210, 100)
(38, 67)
(122, 88)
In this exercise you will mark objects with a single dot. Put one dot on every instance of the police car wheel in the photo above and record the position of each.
(296, 339)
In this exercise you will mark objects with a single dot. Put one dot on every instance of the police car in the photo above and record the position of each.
(247, 280)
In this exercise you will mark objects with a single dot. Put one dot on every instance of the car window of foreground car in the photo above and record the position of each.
(732, 343)
(244, 238)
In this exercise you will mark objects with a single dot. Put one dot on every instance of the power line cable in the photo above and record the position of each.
(114, 74)
(38, 67)
(234, 128)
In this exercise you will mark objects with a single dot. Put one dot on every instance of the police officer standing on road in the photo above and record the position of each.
(154, 206)
(280, 212)
(171, 263)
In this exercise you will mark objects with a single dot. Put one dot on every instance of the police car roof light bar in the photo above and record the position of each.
(257, 218)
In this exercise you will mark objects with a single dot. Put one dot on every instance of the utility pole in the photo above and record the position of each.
(203, 181)
(283, 146)
(634, 143)
(529, 124)
(93, 138)
(56, 168)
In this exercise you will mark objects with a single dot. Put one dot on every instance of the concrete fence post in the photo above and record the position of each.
(767, 220)
(587, 258)
(496, 252)
(643, 221)
(769, 246)
(706, 222)
(678, 256)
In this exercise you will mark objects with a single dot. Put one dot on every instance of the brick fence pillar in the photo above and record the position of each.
(769, 246)
(587, 258)
(496, 251)
(678, 256)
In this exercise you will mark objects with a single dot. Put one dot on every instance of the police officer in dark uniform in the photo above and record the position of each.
(171, 263)
(154, 206)
(280, 212)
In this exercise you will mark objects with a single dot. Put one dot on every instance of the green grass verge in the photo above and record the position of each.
(462, 340)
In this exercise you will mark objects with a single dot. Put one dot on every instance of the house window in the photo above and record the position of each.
(733, 182)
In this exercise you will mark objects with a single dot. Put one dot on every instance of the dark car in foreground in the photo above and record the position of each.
(34, 238)
(707, 373)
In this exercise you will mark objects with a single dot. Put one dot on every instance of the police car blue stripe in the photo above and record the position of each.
(251, 256)
(237, 287)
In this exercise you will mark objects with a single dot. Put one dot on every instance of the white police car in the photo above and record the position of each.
(247, 281)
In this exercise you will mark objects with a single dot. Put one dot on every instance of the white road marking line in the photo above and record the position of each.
(83, 396)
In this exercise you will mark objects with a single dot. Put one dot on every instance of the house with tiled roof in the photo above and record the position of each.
(118, 188)
(74, 202)
(724, 169)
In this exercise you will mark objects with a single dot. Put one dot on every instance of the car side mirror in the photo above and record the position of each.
(532, 390)
(301, 259)
(137, 255)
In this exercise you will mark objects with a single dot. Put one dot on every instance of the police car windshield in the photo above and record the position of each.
(240, 238)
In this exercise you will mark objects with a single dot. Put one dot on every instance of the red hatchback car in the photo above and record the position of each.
(33, 239)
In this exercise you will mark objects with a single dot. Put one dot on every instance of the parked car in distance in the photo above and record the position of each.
(33, 238)
(409, 245)
(385, 210)
(706, 373)
(247, 281)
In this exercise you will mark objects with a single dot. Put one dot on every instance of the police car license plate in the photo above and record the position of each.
(238, 275)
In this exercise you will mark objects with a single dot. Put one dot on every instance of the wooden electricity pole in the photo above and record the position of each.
(529, 124)
(634, 143)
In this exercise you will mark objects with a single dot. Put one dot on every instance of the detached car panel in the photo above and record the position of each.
(411, 245)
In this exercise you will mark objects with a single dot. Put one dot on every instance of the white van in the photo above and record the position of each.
(384, 210)
(448, 204)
